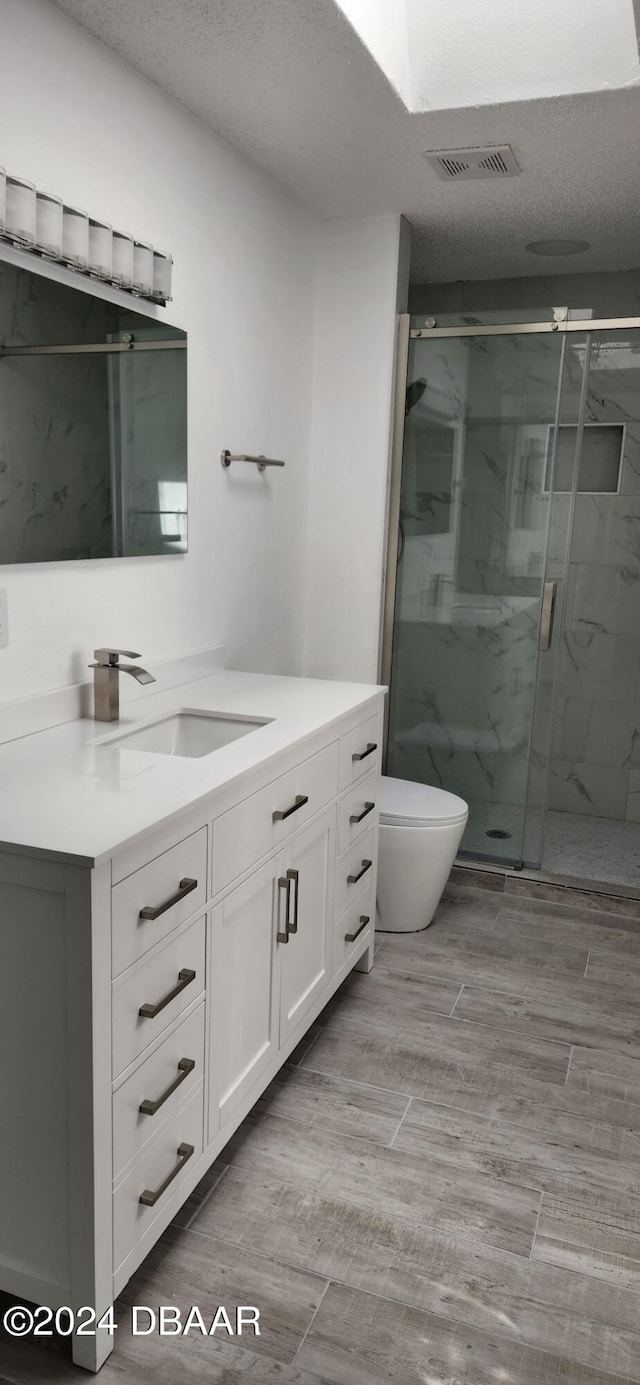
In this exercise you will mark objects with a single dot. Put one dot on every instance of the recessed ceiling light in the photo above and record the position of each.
(558, 247)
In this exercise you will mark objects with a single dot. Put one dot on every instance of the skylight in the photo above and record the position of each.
(444, 54)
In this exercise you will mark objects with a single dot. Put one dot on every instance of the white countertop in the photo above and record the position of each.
(64, 795)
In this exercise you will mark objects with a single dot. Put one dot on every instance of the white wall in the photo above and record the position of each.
(76, 121)
(360, 266)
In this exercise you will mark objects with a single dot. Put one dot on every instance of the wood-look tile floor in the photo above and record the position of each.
(442, 1189)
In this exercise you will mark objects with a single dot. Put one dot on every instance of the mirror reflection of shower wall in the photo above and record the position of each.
(93, 425)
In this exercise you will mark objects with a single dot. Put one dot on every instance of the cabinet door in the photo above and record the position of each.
(242, 991)
(306, 958)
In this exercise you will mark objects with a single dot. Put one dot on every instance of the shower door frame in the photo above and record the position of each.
(562, 323)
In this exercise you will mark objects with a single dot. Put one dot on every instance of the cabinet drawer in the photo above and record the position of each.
(251, 830)
(353, 929)
(165, 890)
(163, 1083)
(360, 751)
(353, 875)
(162, 982)
(158, 1172)
(358, 811)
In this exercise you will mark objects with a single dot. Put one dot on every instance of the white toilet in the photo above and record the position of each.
(421, 829)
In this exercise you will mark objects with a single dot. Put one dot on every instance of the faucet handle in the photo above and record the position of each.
(108, 657)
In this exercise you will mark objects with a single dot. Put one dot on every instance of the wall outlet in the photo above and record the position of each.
(4, 620)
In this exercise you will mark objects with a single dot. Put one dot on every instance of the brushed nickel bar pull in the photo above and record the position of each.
(227, 457)
(294, 876)
(151, 911)
(150, 1196)
(185, 977)
(546, 615)
(353, 879)
(362, 754)
(284, 883)
(279, 815)
(358, 817)
(351, 937)
(185, 1066)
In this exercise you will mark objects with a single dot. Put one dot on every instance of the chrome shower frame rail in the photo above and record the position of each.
(512, 329)
(103, 348)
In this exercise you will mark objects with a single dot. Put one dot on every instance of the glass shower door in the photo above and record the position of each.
(584, 773)
(475, 509)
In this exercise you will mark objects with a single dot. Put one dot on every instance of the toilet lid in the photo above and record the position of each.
(406, 804)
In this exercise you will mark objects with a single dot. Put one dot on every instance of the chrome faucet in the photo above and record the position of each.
(106, 681)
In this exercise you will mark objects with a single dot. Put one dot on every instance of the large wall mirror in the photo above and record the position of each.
(93, 425)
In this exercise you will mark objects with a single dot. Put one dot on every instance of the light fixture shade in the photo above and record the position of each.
(3, 198)
(20, 215)
(558, 247)
(143, 267)
(75, 237)
(49, 224)
(162, 267)
(100, 248)
(123, 259)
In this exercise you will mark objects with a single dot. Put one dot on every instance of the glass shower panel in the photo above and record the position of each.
(594, 767)
(474, 519)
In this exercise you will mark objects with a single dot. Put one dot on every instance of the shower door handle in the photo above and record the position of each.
(547, 612)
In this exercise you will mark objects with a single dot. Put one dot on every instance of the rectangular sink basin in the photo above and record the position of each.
(189, 733)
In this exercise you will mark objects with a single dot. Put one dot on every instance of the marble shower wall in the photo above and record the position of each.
(616, 294)
(595, 763)
(461, 699)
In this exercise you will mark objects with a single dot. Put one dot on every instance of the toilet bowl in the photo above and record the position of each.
(421, 829)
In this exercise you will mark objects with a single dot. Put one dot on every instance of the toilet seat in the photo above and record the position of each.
(405, 804)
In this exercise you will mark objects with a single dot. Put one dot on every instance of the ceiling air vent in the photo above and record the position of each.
(461, 165)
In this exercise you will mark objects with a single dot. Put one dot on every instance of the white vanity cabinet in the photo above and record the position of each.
(276, 924)
(306, 917)
(243, 1019)
(147, 999)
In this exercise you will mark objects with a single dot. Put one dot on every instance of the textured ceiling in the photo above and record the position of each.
(289, 84)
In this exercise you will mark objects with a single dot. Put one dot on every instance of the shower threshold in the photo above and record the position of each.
(493, 875)
(590, 852)
(576, 845)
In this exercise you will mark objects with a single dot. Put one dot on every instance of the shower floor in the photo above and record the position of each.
(586, 847)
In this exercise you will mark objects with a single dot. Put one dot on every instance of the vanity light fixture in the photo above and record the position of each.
(40, 223)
